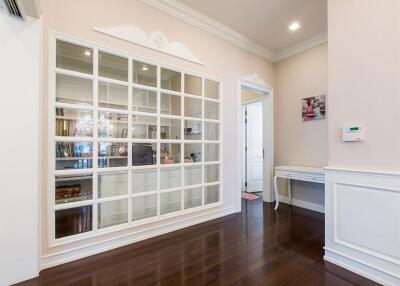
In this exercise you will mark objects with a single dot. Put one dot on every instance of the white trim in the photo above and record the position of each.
(207, 24)
(132, 237)
(303, 204)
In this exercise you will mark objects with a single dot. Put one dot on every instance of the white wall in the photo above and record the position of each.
(19, 152)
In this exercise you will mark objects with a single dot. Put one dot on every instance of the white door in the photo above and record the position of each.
(254, 143)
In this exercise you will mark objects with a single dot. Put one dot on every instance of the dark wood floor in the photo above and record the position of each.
(256, 247)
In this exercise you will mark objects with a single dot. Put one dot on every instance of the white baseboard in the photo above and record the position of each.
(303, 204)
(55, 259)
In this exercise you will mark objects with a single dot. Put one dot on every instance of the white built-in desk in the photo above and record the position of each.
(301, 173)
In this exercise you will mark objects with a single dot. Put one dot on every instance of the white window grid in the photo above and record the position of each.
(95, 171)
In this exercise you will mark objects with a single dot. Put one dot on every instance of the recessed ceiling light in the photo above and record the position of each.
(145, 68)
(294, 26)
(87, 53)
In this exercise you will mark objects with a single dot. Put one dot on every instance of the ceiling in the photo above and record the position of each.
(266, 21)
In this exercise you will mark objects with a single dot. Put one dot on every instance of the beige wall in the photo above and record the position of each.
(222, 60)
(364, 82)
(298, 142)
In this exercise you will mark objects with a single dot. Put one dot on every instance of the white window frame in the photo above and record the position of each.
(52, 138)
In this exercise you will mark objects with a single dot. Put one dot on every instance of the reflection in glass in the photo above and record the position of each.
(170, 128)
(112, 66)
(112, 213)
(170, 104)
(192, 107)
(144, 207)
(73, 221)
(113, 95)
(170, 153)
(73, 188)
(192, 197)
(211, 152)
(211, 194)
(113, 184)
(211, 89)
(192, 152)
(211, 131)
(193, 175)
(170, 202)
(112, 125)
(144, 100)
(170, 178)
(192, 130)
(144, 127)
(211, 110)
(74, 57)
(170, 80)
(144, 154)
(144, 180)
(74, 155)
(71, 89)
(192, 84)
(112, 154)
(74, 122)
(144, 74)
(211, 173)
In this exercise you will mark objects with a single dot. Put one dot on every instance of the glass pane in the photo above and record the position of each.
(113, 95)
(192, 107)
(170, 128)
(73, 221)
(211, 131)
(211, 152)
(170, 178)
(74, 155)
(144, 100)
(193, 175)
(192, 152)
(113, 66)
(211, 89)
(144, 154)
(144, 180)
(73, 188)
(170, 153)
(170, 104)
(144, 207)
(113, 184)
(170, 202)
(74, 122)
(113, 154)
(211, 110)
(71, 89)
(144, 127)
(73, 57)
(192, 198)
(192, 130)
(211, 173)
(113, 125)
(211, 194)
(192, 84)
(113, 213)
(170, 80)
(144, 74)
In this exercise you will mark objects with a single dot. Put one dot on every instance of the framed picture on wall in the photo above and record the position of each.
(313, 108)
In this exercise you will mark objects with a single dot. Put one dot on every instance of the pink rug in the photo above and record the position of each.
(248, 196)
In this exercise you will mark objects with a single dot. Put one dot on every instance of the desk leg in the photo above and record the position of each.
(276, 192)
(289, 187)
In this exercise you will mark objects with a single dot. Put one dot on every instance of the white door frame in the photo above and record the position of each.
(256, 83)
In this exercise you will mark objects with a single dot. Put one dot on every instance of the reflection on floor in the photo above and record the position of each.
(256, 247)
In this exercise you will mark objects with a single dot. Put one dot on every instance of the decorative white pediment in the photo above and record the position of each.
(156, 41)
(254, 80)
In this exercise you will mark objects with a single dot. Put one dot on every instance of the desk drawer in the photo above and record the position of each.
(289, 175)
(310, 177)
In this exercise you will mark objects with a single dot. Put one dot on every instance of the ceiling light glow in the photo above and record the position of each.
(145, 68)
(294, 26)
(87, 53)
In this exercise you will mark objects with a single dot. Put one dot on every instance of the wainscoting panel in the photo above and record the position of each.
(362, 211)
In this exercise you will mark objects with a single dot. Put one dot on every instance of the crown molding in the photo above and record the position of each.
(207, 24)
(308, 44)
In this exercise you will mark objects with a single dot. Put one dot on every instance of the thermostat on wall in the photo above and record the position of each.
(352, 134)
